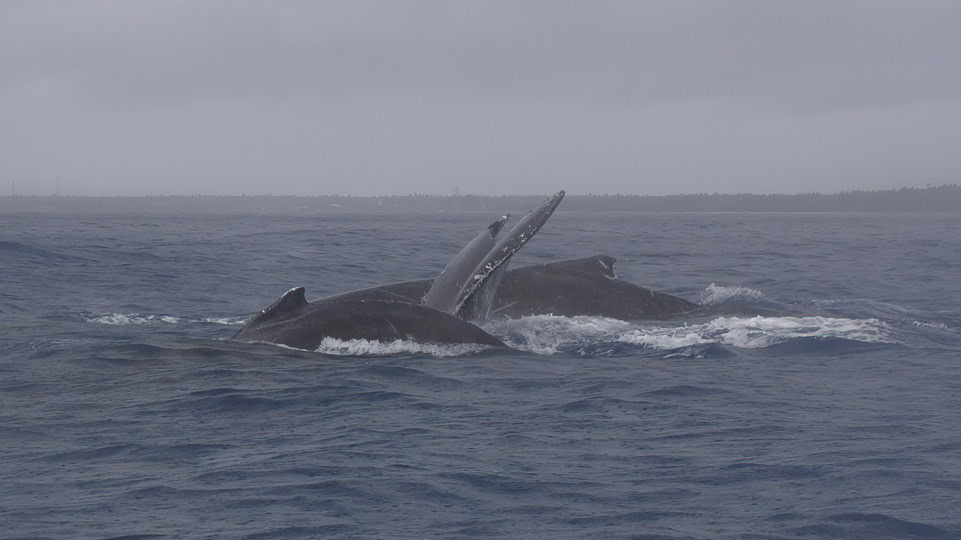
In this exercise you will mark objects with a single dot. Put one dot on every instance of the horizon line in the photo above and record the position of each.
(452, 195)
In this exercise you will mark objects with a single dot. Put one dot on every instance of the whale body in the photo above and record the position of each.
(294, 322)
(475, 286)
(585, 286)
(465, 290)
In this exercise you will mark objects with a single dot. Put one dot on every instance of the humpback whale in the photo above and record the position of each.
(582, 287)
(585, 286)
(464, 290)
(294, 322)
(474, 286)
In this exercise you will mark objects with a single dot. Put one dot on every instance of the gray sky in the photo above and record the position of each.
(371, 98)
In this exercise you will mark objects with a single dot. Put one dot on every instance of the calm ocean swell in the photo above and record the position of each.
(817, 396)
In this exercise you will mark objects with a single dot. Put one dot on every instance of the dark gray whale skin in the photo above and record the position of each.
(582, 287)
(585, 286)
(465, 290)
(468, 285)
(475, 285)
(568, 288)
(294, 322)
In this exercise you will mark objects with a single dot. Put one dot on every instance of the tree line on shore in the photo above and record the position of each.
(945, 198)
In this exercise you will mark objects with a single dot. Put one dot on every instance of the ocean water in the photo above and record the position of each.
(817, 396)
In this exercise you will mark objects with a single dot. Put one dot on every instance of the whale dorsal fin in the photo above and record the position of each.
(288, 306)
(606, 262)
(293, 300)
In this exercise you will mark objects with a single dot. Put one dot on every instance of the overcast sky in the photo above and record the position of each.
(377, 98)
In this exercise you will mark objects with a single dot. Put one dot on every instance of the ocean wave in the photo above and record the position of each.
(548, 334)
(373, 347)
(551, 334)
(935, 325)
(226, 321)
(717, 294)
(759, 332)
(588, 335)
(119, 319)
(132, 318)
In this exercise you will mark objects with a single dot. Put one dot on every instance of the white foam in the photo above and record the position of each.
(133, 318)
(716, 294)
(137, 318)
(365, 347)
(924, 324)
(758, 332)
(664, 338)
(227, 321)
(548, 334)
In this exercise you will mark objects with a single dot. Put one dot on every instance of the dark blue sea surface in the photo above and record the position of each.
(817, 396)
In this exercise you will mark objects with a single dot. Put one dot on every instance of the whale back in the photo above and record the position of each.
(586, 286)
(382, 320)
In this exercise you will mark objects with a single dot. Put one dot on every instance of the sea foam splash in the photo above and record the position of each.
(133, 318)
(373, 347)
(120, 319)
(758, 332)
(226, 321)
(716, 294)
(548, 334)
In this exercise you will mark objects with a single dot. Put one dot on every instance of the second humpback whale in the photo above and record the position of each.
(585, 286)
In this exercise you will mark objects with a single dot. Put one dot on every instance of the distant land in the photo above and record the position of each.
(946, 198)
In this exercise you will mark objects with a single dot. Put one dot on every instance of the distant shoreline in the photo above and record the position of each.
(946, 198)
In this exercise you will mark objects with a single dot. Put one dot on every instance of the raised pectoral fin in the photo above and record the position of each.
(445, 292)
(507, 245)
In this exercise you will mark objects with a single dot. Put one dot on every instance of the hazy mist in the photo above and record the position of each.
(382, 98)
